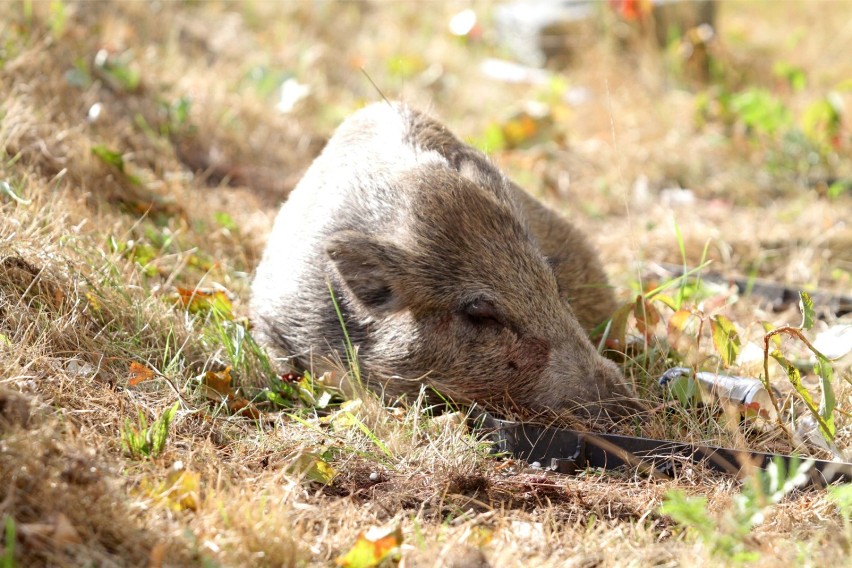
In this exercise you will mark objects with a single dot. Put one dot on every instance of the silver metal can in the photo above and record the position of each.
(748, 395)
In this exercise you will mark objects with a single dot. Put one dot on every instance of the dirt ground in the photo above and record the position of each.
(145, 148)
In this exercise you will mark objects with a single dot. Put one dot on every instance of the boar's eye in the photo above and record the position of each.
(482, 312)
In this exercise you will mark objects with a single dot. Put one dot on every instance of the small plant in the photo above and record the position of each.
(841, 495)
(7, 560)
(142, 441)
(289, 388)
(351, 351)
(807, 142)
(725, 534)
(824, 412)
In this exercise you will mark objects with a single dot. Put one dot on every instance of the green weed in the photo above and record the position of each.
(824, 412)
(725, 534)
(7, 560)
(142, 441)
(351, 351)
(805, 142)
(841, 495)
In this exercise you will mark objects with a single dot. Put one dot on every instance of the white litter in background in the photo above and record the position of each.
(292, 91)
(677, 197)
(94, 112)
(835, 342)
(462, 23)
(509, 72)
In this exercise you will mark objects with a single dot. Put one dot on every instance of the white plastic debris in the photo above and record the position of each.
(835, 342)
(463, 23)
(292, 91)
(509, 72)
(807, 431)
(677, 197)
(78, 368)
(94, 112)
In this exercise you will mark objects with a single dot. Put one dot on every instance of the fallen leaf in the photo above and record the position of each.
(239, 405)
(312, 467)
(139, 373)
(679, 320)
(198, 301)
(180, 490)
(372, 547)
(646, 316)
(217, 384)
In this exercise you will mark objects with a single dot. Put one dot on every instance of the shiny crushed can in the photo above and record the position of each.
(748, 395)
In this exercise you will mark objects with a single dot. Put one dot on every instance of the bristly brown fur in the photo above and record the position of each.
(412, 227)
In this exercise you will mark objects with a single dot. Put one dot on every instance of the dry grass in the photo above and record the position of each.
(92, 256)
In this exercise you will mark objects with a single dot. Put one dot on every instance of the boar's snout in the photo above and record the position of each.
(582, 381)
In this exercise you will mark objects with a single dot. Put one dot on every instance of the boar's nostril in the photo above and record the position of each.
(482, 312)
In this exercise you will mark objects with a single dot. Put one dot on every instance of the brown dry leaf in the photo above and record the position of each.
(238, 404)
(646, 316)
(36, 531)
(140, 373)
(217, 384)
(58, 297)
(372, 547)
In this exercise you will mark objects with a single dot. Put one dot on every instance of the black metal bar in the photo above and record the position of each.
(779, 295)
(569, 451)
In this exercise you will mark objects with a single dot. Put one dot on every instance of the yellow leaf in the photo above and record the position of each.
(312, 468)
(94, 303)
(351, 405)
(344, 417)
(479, 536)
(202, 301)
(725, 338)
(372, 547)
(679, 320)
(179, 491)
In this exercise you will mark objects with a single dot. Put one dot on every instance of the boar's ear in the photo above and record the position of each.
(370, 267)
